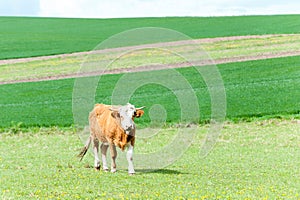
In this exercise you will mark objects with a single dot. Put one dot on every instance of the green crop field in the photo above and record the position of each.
(256, 154)
(254, 160)
(26, 37)
(253, 89)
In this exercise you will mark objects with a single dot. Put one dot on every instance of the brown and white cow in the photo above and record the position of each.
(112, 126)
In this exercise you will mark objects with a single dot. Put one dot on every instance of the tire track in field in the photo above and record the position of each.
(261, 56)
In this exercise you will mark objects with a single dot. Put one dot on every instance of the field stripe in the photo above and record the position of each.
(222, 50)
(163, 44)
(157, 67)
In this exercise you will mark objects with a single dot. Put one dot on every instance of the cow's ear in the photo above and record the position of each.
(115, 114)
(138, 113)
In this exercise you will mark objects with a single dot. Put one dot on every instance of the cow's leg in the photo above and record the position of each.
(113, 152)
(104, 147)
(129, 155)
(96, 150)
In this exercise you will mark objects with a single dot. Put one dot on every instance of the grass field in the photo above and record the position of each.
(254, 160)
(257, 155)
(27, 37)
(253, 89)
(223, 49)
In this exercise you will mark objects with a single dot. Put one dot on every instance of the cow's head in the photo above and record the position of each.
(126, 114)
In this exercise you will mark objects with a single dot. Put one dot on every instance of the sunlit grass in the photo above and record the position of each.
(257, 160)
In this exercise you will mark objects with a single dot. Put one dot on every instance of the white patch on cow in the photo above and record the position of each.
(126, 113)
(97, 161)
(104, 162)
(129, 155)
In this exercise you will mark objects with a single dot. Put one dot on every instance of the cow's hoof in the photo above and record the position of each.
(113, 170)
(131, 174)
(97, 168)
(105, 170)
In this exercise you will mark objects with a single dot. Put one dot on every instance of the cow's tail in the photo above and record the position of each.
(85, 148)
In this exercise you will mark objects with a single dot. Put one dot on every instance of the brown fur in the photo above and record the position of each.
(105, 127)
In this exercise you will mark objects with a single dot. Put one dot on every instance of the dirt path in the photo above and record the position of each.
(152, 67)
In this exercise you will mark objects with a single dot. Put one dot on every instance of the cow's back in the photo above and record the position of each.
(100, 122)
(103, 125)
(107, 128)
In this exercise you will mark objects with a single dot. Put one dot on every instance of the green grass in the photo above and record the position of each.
(257, 160)
(168, 55)
(27, 37)
(253, 89)
(254, 160)
(259, 88)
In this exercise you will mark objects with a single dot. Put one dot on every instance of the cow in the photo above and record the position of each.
(113, 126)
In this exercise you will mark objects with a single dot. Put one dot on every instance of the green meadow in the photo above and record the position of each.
(256, 154)
(263, 88)
(253, 160)
(27, 37)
